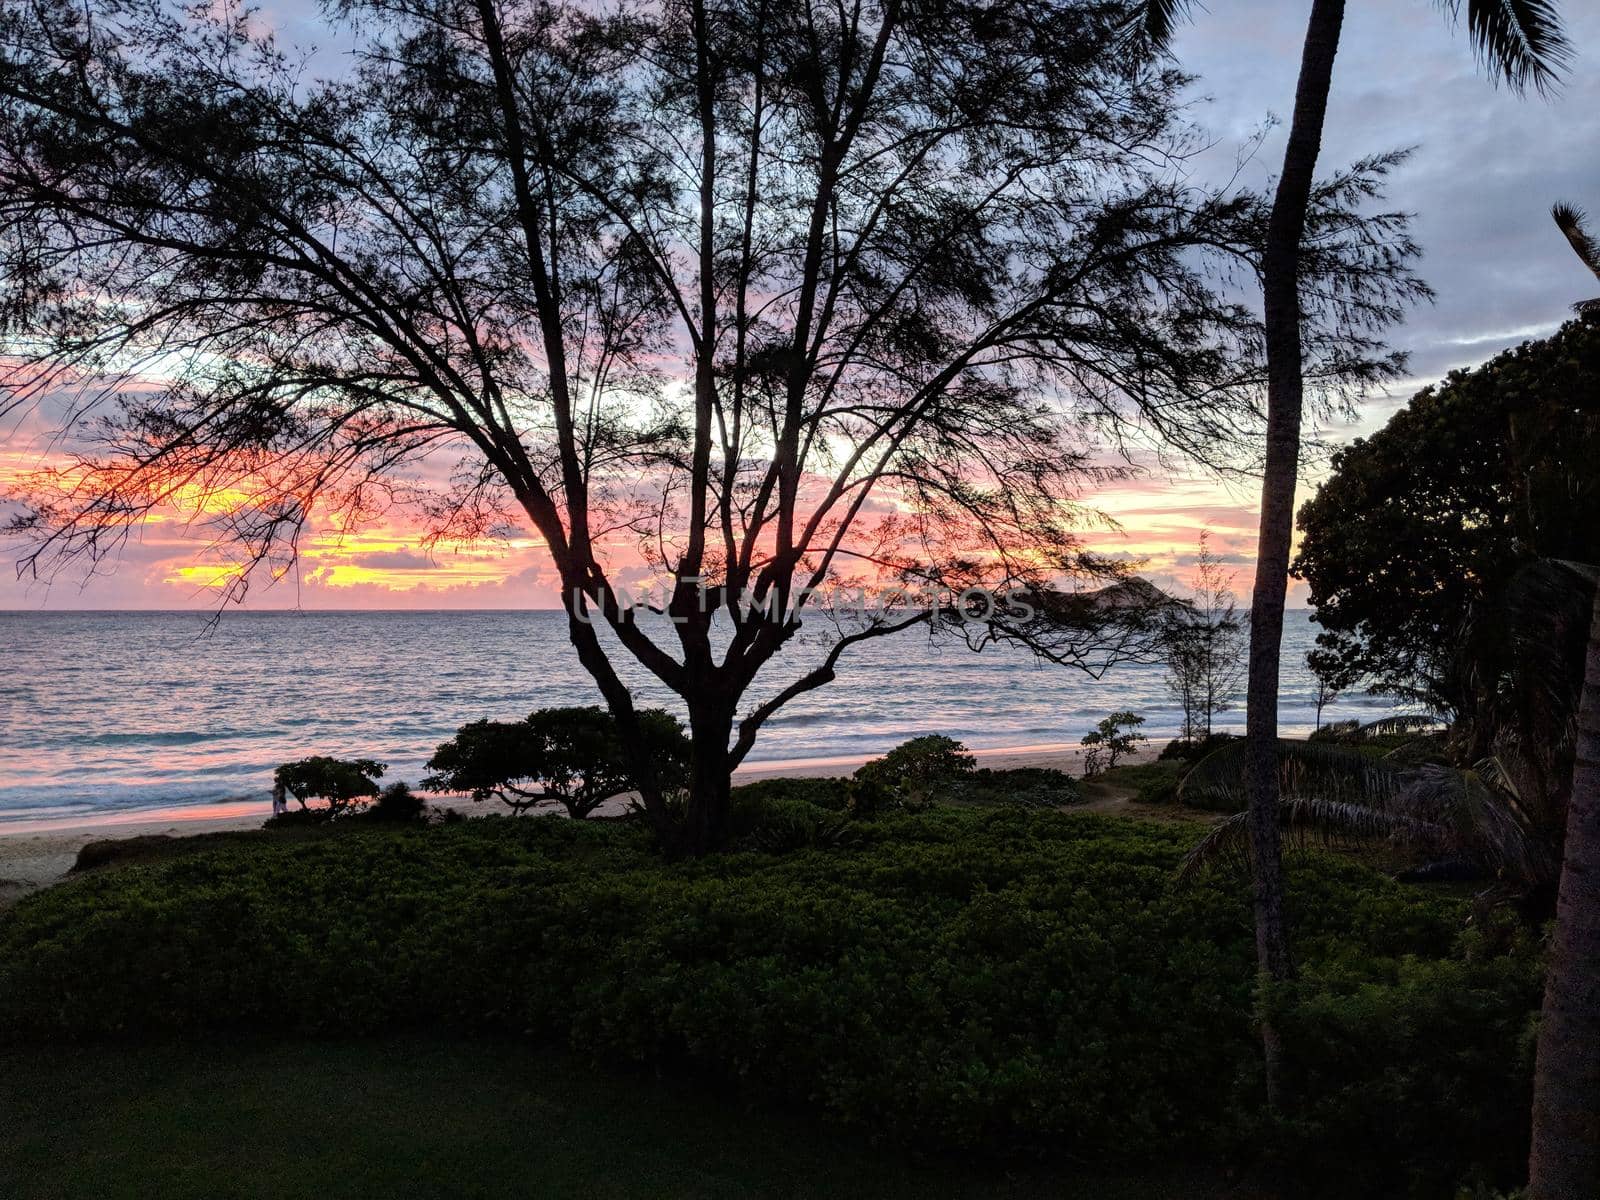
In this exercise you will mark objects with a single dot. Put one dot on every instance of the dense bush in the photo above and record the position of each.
(914, 775)
(936, 769)
(986, 980)
(1152, 783)
(398, 802)
(790, 813)
(291, 818)
(570, 756)
(1380, 1065)
(1336, 731)
(1190, 750)
(1031, 787)
(346, 784)
(824, 792)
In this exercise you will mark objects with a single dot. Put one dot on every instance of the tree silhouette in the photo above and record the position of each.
(776, 299)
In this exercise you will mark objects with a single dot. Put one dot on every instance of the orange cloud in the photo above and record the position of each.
(169, 561)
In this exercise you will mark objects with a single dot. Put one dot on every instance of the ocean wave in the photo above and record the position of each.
(267, 688)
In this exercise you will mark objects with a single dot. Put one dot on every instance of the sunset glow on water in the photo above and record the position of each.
(127, 711)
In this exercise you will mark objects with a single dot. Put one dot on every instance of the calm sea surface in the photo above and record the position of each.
(109, 712)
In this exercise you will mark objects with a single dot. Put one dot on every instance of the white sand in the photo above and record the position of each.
(35, 854)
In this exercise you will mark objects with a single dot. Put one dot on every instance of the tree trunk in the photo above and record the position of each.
(705, 818)
(1285, 387)
(1565, 1163)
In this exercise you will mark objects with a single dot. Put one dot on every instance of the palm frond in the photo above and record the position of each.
(1153, 23)
(1316, 820)
(1497, 775)
(1574, 224)
(1522, 42)
(1326, 770)
(1334, 796)
(1483, 814)
(1401, 723)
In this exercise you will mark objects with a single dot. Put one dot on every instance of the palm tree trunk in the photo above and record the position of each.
(1280, 270)
(1565, 1163)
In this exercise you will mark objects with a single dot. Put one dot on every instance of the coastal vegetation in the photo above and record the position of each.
(573, 757)
(780, 328)
(1113, 737)
(1205, 646)
(1524, 46)
(1006, 983)
(342, 784)
(1422, 547)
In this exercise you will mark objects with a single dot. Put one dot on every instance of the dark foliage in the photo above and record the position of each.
(983, 981)
(915, 774)
(1116, 736)
(1193, 750)
(1152, 783)
(1037, 787)
(824, 792)
(345, 784)
(1413, 545)
(397, 803)
(574, 757)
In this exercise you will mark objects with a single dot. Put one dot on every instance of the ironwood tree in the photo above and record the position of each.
(770, 297)
(1205, 646)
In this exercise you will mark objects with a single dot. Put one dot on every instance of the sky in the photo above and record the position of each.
(1485, 169)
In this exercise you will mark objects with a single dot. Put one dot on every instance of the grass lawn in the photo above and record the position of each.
(417, 1117)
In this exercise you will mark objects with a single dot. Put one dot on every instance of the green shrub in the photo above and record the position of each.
(779, 819)
(1193, 750)
(290, 818)
(1336, 731)
(824, 792)
(1152, 783)
(980, 980)
(782, 826)
(397, 802)
(1030, 787)
(914, 775)
(1422, 1071)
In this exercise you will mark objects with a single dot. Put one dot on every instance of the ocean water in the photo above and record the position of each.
(110, 712)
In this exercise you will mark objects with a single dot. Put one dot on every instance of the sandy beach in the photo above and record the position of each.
(35, 854)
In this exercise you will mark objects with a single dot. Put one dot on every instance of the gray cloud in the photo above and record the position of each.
(1485, 169)
(395, 560)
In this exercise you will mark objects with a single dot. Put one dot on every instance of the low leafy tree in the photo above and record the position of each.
(913, 775)
(1115, 737)
(571, 756)
(346, 784)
